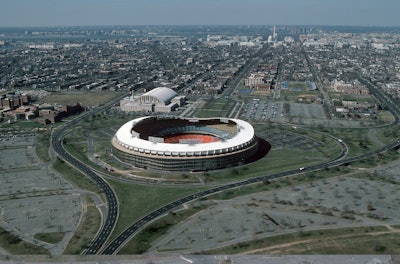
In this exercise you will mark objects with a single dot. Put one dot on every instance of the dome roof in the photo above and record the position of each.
(163, 94)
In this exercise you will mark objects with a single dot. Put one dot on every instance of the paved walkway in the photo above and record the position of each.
(372, 136)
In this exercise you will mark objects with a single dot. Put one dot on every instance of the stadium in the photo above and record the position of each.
(184, 144)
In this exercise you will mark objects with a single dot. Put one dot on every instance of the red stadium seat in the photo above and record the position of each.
(175, 138)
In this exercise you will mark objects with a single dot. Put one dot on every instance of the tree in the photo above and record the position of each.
(370, 207)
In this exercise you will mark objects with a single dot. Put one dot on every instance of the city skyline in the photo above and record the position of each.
(20, 13)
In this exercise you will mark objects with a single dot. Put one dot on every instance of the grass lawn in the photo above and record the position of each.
(215, 108)
(299, 85)
(378, 159)
(138, 200)
(362, 240)
(42, 146)
(142, 242)
(83, 98)
(363, 98)
(388, 134)
(75, 177)
(51, 238)
(16, 246)
(86, 231)
(385, 117)
(356, 139)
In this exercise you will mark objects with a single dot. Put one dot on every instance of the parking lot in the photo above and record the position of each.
(260, 110)
(33, 198)
(291, 140)
(338, 202)
(307, 111)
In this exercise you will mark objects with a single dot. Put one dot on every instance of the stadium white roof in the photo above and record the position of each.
(125, 138)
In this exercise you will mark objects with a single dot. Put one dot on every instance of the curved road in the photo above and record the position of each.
(119, 242)
(111, 199)
(108, 225)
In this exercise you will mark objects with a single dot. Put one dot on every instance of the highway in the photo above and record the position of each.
(382, 98)
(115, 245)
(122, 238)
(110, 220)
(111, 199)
(98, 243)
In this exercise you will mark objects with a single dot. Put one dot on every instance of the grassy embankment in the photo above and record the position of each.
(362, 240)
(91, 220)
(17, 246)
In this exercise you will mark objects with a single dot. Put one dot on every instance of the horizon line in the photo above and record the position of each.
(197, 25)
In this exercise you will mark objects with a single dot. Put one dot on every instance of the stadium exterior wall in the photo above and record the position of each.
(195, 163)
(230, 153)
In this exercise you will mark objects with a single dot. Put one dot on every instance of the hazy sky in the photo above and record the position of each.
(195, 12)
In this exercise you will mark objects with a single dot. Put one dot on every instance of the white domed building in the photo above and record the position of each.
(160, 99)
